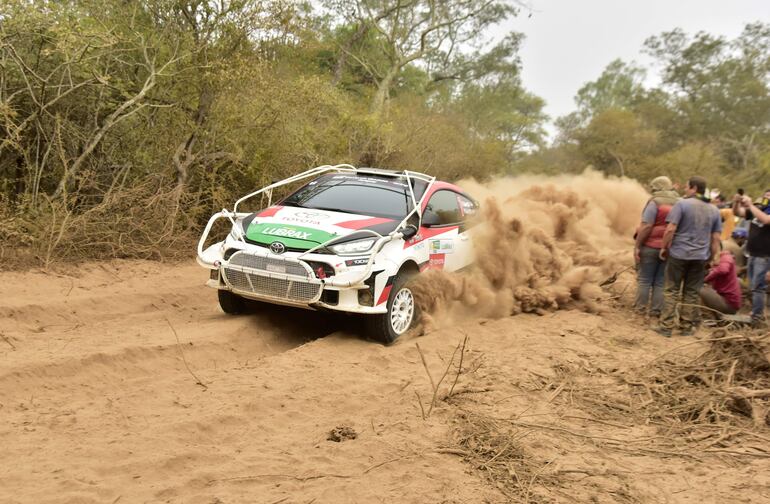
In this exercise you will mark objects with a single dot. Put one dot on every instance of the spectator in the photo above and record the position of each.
(758, 250)
(735, 245)
(691, 239)
(722, 292)
(649, 239)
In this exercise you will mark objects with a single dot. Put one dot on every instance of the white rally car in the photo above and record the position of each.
(348, 240)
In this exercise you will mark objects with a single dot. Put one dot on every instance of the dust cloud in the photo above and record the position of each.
(541, 244)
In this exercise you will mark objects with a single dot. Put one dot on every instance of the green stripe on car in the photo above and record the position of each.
(298, 237)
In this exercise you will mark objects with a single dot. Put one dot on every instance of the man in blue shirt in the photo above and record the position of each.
(691, 240)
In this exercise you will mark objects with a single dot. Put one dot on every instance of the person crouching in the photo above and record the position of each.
(722, 291)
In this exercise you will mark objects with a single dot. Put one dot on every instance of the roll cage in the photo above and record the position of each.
(315, 172)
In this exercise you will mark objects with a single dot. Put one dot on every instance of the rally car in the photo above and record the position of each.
(348, 240)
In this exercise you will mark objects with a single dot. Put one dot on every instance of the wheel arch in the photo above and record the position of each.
(409, 267)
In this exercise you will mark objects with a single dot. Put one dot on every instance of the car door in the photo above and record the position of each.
(449, 247)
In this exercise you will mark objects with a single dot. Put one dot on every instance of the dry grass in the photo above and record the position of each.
(147, 221)
(496, 449)
(715, 400)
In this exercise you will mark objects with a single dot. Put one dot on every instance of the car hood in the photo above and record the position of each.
(304, 228)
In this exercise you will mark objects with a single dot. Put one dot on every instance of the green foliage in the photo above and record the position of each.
(123, 125)
(619, 86)
(709, 116)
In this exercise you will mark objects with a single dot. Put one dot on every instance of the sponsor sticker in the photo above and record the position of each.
(305, 217)
(289, 234)
(441, 246)
(436, 261)
(286, 233)
(357, 262)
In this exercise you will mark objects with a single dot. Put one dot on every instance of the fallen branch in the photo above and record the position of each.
(748, 393)
(459, 367)
(179, 346)
(435, 386)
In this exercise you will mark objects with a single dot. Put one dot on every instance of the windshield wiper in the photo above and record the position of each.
(329, 209)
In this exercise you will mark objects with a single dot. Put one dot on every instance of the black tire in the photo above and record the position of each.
(232, 304)
(381, 327)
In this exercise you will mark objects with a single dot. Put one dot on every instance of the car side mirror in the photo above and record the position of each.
(430, 219)
(409, 231)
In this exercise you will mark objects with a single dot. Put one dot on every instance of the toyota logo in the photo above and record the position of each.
(277, 247)
(310, 215)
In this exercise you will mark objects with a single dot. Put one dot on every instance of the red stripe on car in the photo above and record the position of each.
(269, 212)
(363, 223)
(385, 294)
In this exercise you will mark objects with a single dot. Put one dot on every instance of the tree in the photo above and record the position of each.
(433, 33)
(616, 138)
(504, 111)
(619, 86)
(720, 87)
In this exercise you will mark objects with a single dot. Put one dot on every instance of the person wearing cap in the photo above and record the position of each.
(735, 245)
(758, 250)
(691, 240)
(649, 238)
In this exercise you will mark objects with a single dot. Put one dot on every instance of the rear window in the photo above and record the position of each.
(377, 197)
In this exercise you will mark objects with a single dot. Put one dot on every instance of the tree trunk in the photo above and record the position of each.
(383, 91)
(339, 65)
(619, 162)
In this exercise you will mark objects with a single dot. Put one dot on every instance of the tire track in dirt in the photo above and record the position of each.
(111, 325)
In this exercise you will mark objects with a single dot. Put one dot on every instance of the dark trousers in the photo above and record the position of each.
(684, 280)
(714, 300)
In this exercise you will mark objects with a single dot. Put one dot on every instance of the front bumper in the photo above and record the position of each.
(253, 272)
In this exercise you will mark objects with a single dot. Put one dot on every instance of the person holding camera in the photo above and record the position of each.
(758, 250)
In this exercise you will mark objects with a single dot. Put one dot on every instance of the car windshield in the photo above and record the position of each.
(376, 197)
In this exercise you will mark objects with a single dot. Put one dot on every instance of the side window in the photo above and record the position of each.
(444, 207)
(468, 207)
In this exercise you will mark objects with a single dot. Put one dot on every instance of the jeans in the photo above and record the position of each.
(758, 268)
(650, 278)
(684, 280)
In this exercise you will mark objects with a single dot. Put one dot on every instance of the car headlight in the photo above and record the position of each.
(354, 247)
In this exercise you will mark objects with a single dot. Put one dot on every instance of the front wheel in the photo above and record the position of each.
(402, 313)
(232, 304)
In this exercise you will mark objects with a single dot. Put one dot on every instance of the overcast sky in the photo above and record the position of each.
(569, 42)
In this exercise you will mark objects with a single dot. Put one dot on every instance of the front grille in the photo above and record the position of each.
(266, 281)
(270, 264)
(292, 249)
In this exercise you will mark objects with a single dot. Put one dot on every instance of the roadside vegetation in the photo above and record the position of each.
(123, 125)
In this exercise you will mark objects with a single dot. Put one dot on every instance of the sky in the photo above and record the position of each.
(569, 42)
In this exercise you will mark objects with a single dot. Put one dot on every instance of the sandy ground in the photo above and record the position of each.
(99, 403)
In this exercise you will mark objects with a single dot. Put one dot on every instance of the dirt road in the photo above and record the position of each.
(125, 383)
